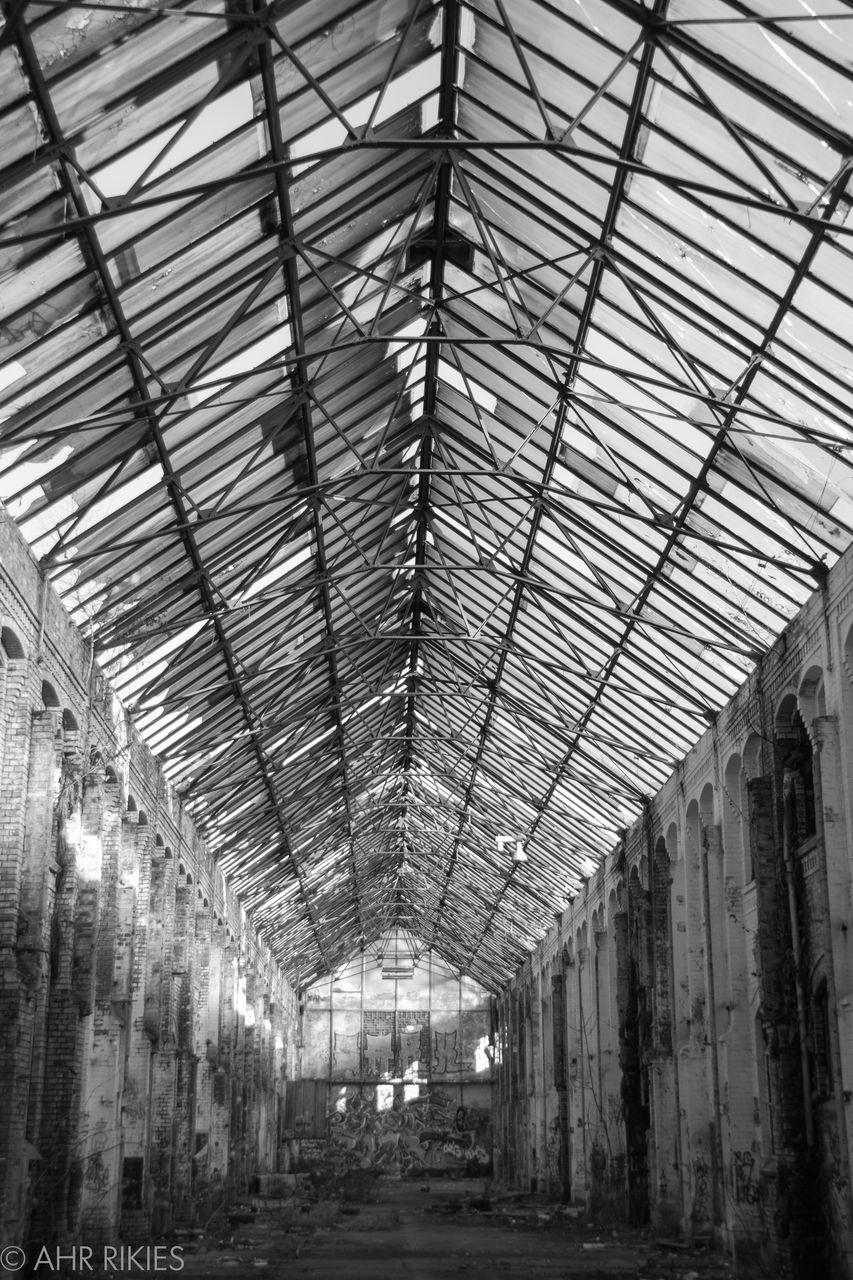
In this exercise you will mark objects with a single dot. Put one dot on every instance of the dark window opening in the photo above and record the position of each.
(821, 1057)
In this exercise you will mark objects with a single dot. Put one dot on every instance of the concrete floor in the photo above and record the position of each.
(420, 1236)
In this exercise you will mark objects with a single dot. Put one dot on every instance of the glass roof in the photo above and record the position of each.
(431, 409)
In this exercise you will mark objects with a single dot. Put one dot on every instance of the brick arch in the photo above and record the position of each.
(752, 756)
(847, 652)
(693, 826)
(786, 713)
(735, 819)
(794, 756)
(11, 645)
(582, 936)
(707, 805)
(49, 696)
(811, 695)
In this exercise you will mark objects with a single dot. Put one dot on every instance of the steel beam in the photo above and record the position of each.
(92, 248)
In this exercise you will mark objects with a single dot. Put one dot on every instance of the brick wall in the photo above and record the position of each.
(137, 1094)
(709, 1051)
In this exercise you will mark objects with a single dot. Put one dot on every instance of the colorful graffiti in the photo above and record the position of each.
(430, 1133)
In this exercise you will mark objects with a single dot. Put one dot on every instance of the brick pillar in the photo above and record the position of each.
(587, 1175)
(837, 905)
(558, 1025)
(104, 1067)
(665, 1163)
(238, 1076)
(635, 1043)
(163, 1060)
(681, 1031)
(216, 1053)
(249, 1074)
(15, 727)
(536, 1091)
(716, 985)
(737, 1060)
(205, 994)
(825, 871)
(56, 1120)
(518, 1140)
(503, 1151)
(787, 1187)
(696, 1087)
(87, 923)
(32, 769)
(603, 1153)
(525, 1119)
(135, 1110)
(183, 1128)
(223, 1087)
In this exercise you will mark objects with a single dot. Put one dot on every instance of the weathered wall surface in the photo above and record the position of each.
(396, 1074)
(143, 1025)
(680, 1045)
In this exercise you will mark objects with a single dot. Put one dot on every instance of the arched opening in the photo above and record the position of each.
(635, 1046)
(765, 1086)
(812, 695)
(796, 768)
(753, 767)
(49, 696)
(69, 723)
(11, 645)
(706, 805)
(819, 1049)
(735, 819)
(662, 943)
(693, 824)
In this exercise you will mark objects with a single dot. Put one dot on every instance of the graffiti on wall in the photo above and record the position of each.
(746, 1189)
(410, 1053)
(346, 1055)
(378, 1054)
(445, 1052)
(430, 1133)
(701, 1203)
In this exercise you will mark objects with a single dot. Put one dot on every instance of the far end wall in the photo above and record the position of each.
(396, 1075)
